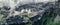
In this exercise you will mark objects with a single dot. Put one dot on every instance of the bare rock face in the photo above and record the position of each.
(38, 13)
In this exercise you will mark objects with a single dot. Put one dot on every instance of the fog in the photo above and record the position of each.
(13, 3)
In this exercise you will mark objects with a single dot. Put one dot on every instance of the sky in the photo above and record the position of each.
(13, 3)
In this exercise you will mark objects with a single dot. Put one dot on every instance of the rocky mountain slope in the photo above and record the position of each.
(31, 14)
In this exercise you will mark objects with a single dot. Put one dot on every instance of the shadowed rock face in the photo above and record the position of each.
(16, 19)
